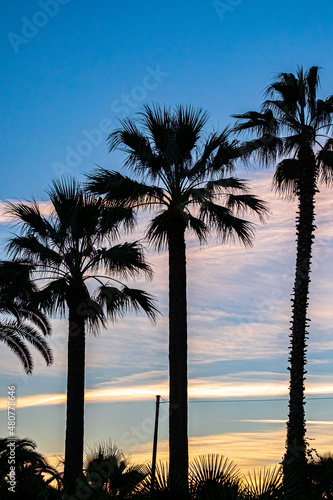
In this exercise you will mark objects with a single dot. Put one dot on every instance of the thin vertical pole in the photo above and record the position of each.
(153, 466)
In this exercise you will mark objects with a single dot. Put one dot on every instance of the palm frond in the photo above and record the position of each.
(194, 196)
(216, 146)
(264, 123)
(285, 86)
(26, 333)
(264, 484)
(161, 484)
(213, 477)
(157, 231)
(243, 203)
(31, 311)
(125, 259)
(30, 218)
(139, 300)
(109, 473)
(265, 149)
(64, 189)
(312, 83)
(227, 226)
(139, 154)
(268, 145)
(117, 301)
(52, 296)
(76, 213)
(121, 190)
(213, 467)
(227, 184)
(157, 122)
(112, 300)
(15, 334)
(188, 124)
(94, 315)
(112, 218)
(286, 177)
(222, 162)
(18, 293)
(198, 226)
(325, 163)
(15, 281)
(292, 144)
(323, 115)
(30, 247)
(10, 337)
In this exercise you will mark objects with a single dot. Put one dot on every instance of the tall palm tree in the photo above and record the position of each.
(66, 249)
(183, 176)
(292, 130)
(16, 300)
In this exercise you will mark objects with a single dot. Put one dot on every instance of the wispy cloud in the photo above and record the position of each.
(152, 374)
(272, 421)
(320, 361)
(221, 387)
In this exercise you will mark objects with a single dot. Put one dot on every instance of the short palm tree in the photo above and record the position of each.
(33, 474)
(214, 476)
(264, 484)
(109, 472)
(30, 325)
(292, 130)
(66, 249)
(184, 177)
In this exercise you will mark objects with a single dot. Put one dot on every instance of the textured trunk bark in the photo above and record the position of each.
(295, 461)
(75, 391)
(178, 438)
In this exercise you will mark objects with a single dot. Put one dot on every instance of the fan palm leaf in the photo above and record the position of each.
(264, 484)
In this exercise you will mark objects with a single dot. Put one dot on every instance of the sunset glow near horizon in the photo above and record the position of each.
(63, 92)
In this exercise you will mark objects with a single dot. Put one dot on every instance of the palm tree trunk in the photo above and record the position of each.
(75, 392)
(178, 438)
(295, 461)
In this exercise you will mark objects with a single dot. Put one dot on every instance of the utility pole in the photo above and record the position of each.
(153, 466)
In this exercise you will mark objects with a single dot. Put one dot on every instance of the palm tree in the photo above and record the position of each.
(33, 475)
(214, 476)
(66, 249)
(264, 484)
(16, 299)
(177, 174)
(293, 127)
(108, 471)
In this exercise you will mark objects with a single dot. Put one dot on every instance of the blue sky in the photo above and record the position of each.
(66, 80)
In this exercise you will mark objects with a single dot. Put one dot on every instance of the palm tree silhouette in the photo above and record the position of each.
(108, 471)
(33, 474)
(67, 249)
(182, 176)
(17, 294)
(293, 125)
